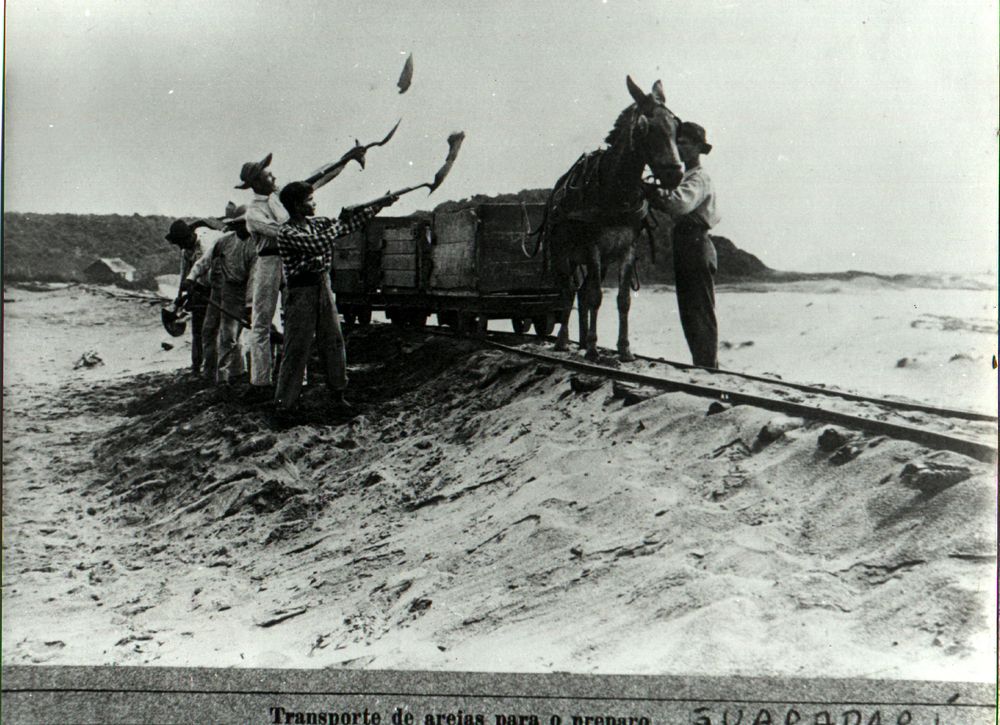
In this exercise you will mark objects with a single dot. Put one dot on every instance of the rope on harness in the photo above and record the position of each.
(527, 232)
(648, 225)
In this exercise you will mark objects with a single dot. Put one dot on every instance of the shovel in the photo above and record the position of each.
(337, 166)
(406, 77)
(174, 321)
(454, 144)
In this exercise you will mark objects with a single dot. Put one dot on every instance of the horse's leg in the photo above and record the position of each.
(566, 291)
(592, 300)
(625, 275)
(582, 316)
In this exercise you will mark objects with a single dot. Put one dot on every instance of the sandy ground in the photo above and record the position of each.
(482, 513)
(933, 345)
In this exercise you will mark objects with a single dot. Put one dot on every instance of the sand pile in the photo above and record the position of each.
(484, 512)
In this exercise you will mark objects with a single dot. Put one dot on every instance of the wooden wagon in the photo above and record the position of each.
(465, 266)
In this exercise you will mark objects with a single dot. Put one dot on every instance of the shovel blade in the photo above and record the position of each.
(406, 77)
(172, 322)
(454, 144)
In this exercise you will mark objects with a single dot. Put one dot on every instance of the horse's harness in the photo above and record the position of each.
(572, 196)
(578, 198)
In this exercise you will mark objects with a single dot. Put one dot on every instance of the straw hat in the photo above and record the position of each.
(251, 170)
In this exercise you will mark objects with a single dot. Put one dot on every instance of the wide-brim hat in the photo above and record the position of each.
(179, 232)
(251, 170)
(694, 131)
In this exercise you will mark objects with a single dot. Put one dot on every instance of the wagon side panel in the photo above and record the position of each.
(401, 255)
(349, 265)
(503, 265)
(453, 254)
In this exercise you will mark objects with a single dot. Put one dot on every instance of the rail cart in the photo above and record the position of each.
(465, 266)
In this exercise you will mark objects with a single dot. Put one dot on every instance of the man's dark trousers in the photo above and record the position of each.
(695, 265)
(210, 330)
(310, 316)
(198, 305)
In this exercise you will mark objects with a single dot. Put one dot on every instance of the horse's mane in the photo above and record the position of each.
(623, 123)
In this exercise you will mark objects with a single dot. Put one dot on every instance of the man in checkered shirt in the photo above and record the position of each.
(306, 244)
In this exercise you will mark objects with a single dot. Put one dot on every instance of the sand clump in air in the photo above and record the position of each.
(484, 512)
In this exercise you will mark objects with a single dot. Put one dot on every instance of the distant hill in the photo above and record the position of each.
(57, 247)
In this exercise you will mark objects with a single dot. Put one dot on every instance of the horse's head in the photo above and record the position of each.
(655, 134)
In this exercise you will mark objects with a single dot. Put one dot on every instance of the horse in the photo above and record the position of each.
(597, 210)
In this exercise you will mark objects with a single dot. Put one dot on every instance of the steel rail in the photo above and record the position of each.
(973, 449)
(854, 397)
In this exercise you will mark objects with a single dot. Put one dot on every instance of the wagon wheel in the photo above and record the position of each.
(364, 316)
(520, 324)
(544, 325)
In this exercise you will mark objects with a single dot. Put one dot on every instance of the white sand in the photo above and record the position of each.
(849, 335)
(480, 515)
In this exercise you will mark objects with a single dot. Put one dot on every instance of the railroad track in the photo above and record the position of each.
(513, 343)
(813, 389)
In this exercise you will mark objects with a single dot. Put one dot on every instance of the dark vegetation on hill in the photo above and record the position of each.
(57, 247)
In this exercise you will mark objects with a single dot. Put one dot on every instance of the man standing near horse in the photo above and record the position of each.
(692, 207)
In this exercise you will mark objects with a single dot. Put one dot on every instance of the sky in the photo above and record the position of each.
(847, 134)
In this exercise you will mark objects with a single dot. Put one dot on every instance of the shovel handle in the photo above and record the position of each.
(334, 168)
(383, 199)
(392, 195)
(229, 314)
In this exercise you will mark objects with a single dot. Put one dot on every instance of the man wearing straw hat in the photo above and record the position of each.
(264, 217)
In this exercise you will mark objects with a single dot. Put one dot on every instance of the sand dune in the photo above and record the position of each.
(482, 513)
